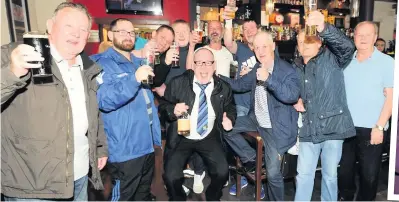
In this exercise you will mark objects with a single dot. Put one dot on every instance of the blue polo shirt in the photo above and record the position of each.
(139, 43)
(364, 83)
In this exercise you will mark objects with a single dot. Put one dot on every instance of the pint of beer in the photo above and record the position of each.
(229, 10)
(183, 124)
(310, 31)
(41, 44)
(175, 63)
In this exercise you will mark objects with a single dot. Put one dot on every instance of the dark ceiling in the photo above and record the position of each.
(223, 2)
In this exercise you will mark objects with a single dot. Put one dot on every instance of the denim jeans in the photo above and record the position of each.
(237, 142)
(79, 193)
(275, 182)
(331, 152)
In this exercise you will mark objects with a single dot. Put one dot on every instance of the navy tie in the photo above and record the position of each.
(202, 120)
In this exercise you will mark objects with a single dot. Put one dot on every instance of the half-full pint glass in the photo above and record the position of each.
(41, 44)
(183, 124)
(310, 31)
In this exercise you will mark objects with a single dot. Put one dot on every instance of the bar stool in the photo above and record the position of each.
(288, 167)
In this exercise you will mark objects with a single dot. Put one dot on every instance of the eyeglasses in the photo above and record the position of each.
(207, 63)
(124, 33)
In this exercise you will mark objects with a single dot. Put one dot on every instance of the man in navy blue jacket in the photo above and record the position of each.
(130, 117)
(275, 88)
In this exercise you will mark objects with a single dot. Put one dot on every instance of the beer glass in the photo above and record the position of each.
(41, 44)
(310, 31)
(183, 124)
(175, 63)
(149, 61)
(157, 58)
(229, 9)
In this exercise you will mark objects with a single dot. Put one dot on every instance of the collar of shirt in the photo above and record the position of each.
(195, 80)
(371, 56)
(58, 58)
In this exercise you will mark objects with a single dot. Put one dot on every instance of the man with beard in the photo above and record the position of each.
(130, 115)
(223, 57)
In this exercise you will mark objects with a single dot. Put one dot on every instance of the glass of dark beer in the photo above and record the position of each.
(41, 44)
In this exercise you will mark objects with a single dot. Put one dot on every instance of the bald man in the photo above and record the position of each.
(274, 86)
(209, 102)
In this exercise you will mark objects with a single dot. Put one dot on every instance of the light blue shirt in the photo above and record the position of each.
(364, 84)
(139, 43)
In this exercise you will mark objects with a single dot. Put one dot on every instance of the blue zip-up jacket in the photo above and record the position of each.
(124, 109)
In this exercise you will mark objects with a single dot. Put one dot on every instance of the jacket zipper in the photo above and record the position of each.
(67, 144)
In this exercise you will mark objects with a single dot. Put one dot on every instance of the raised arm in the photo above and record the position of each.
(116, 90)
(230, 44)
(14, 68)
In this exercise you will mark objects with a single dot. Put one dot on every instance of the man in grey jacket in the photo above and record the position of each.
(52, 133)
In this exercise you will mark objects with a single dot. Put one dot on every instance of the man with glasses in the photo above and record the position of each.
(209, 102)
(130, 116)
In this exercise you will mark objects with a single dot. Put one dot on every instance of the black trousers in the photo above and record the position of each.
(212, 153)
(369, 156)
(131, 180)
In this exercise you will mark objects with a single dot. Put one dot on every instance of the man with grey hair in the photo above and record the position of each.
(209, 102)
(369, 92)
(274, 87)
(52, 133)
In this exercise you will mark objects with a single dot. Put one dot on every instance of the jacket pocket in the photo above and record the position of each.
(329, 121)
(34, 167)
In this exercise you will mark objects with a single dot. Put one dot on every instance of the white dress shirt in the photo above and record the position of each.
(194, 112)
(72, 78)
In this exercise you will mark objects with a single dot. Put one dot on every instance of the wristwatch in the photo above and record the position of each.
(379, 127)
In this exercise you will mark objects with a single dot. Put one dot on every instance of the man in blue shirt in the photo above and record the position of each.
(369, 89)
(246, 62)
(130, 117)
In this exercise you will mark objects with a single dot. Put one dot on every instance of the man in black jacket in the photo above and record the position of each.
(210, 104)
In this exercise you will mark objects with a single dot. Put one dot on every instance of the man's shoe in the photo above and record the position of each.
(262, 193)
(188, 173)
(198, 186)
(233, 188)
(186, 190)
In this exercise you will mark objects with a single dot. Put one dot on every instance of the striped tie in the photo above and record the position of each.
(202, 121)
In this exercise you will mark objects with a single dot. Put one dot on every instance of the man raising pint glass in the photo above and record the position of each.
(209, 102)
(51, 132)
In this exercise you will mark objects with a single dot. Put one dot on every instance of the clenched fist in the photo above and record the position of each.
(180, 108)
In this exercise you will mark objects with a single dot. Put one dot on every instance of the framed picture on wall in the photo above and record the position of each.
(18, 18)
